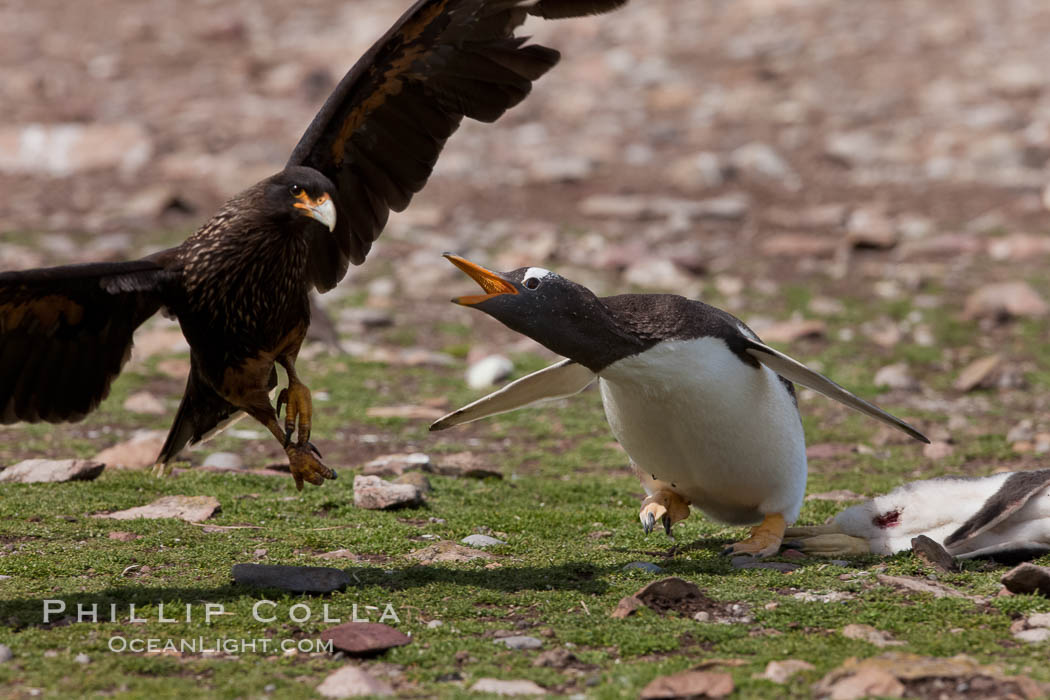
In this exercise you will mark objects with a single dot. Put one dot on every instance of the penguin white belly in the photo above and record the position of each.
(721, 433)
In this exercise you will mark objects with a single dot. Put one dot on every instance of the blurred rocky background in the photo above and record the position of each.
(864, 182)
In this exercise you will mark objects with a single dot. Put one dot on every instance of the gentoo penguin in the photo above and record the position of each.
(1004, 515)
(706, 412)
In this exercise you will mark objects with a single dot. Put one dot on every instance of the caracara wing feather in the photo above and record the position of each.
(381, 131)
(65, 333)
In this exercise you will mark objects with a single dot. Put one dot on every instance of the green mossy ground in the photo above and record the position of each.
(567, 509)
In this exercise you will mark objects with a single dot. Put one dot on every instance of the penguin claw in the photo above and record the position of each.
(649, 523)
(313, 448)
(666, 520)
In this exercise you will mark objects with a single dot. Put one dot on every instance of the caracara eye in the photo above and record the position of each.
(532, 283)
(296, 190)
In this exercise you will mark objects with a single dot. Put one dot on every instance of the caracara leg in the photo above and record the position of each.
(247, 388)
(667, 507)
(299, 406)
(765, 538)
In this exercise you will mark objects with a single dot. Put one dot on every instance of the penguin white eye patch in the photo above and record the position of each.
(534, 273)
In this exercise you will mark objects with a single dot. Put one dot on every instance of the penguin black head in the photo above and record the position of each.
(556, 312)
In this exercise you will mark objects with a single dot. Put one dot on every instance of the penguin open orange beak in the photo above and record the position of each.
(492, 282)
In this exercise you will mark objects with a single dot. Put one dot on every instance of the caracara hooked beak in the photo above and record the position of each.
(322, 208)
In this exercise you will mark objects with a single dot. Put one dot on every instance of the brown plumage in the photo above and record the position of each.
(239, 286)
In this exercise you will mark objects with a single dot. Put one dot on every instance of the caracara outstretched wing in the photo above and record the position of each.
(379, 134)
(65, 333)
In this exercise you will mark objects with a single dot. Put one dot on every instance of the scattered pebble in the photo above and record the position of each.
(352, 681)
(481, 541)
(644, 566)
(36, 471)
(1033, 636)
(689, 684)
(146, 403)
(1028, 578)
(937, 450)
(446, 551)
(1005, 300)
(782, 671)
(364, 638)
(501, 687)
(559, 657)
(192, 509)
(896, 376)
(373, 493)
(417, 479)
(137, 453)
(396, 464)
(869, 634)
(223, 460)
(489, 371)
(520, 642)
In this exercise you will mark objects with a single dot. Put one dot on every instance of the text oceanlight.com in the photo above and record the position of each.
(202, 645)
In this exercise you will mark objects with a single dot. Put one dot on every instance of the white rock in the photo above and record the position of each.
(137, 453)
(224, 460)
(520, 642)
(1039, 620)
(853, 147)
(1034, 636)
(699, 171)
(896, 376)
(659, 274)
(58, 150)
(501, 687)
(373, 493)
(489, 371)
(144, 402)
(35, 471)
(560, 169)
(351, 681)
(760, 159)
(481, 541)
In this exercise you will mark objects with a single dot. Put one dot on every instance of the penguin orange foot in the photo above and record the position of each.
(663, 505)
(765, 538)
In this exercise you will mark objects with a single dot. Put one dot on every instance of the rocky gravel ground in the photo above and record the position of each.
(866, 184)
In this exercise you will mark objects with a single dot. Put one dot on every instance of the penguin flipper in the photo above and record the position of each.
(795, 371)
(1013, 494)
(557, 381)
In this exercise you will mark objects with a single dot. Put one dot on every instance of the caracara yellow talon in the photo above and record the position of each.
(765, 538)
(306, 467)
(298, 412)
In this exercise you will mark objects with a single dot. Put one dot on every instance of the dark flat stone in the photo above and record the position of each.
(297, 579)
